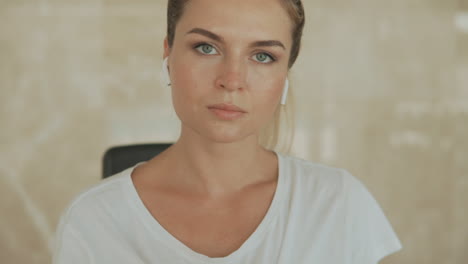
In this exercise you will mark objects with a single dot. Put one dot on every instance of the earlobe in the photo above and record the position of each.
(165, 72)
(166, 47)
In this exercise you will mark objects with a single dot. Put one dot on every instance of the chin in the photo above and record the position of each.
(219, 132)
(224, 134)
(225, 137)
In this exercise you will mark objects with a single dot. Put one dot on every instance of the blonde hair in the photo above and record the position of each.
(278, 134)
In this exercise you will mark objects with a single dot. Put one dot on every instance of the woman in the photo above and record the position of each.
(217, 195)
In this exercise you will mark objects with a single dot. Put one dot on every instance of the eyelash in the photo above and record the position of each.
(198, 45)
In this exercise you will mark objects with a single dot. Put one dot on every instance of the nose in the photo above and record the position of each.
(232, 75)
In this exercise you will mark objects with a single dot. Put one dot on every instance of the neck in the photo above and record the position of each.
(215, 168)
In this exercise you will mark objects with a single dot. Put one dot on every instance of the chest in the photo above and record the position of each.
(214, 229)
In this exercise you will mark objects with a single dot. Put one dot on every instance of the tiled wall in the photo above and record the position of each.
(381, 89)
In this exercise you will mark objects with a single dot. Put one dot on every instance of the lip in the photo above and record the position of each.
(227, 107)
(227, 111)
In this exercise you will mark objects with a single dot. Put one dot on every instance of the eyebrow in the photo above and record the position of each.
(213, 36)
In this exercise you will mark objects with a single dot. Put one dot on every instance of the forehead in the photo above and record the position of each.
(238, 19)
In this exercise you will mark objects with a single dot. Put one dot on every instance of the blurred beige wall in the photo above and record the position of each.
(381, 89)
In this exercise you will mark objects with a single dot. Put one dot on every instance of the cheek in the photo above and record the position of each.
(184, 82)
(190, 87)
(182, 88)
(267, 99)
(267, 82)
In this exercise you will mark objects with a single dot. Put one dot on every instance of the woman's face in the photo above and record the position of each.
(230, 53)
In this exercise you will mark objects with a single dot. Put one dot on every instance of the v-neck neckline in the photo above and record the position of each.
(172, 242)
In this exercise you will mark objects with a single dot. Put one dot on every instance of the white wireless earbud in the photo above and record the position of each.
(165, 72)
(285, 92)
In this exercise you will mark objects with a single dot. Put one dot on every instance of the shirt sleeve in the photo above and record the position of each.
(70, 248)
(372, 236)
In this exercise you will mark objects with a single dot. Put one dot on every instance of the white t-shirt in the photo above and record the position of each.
(318, 215)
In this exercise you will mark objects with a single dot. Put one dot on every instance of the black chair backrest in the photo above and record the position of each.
(119, 158)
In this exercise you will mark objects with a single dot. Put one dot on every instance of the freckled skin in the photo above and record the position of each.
(234, 74)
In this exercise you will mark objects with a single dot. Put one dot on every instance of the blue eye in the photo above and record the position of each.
(263, 57)
(206, 49)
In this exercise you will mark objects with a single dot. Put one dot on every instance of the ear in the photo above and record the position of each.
(167, 50)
